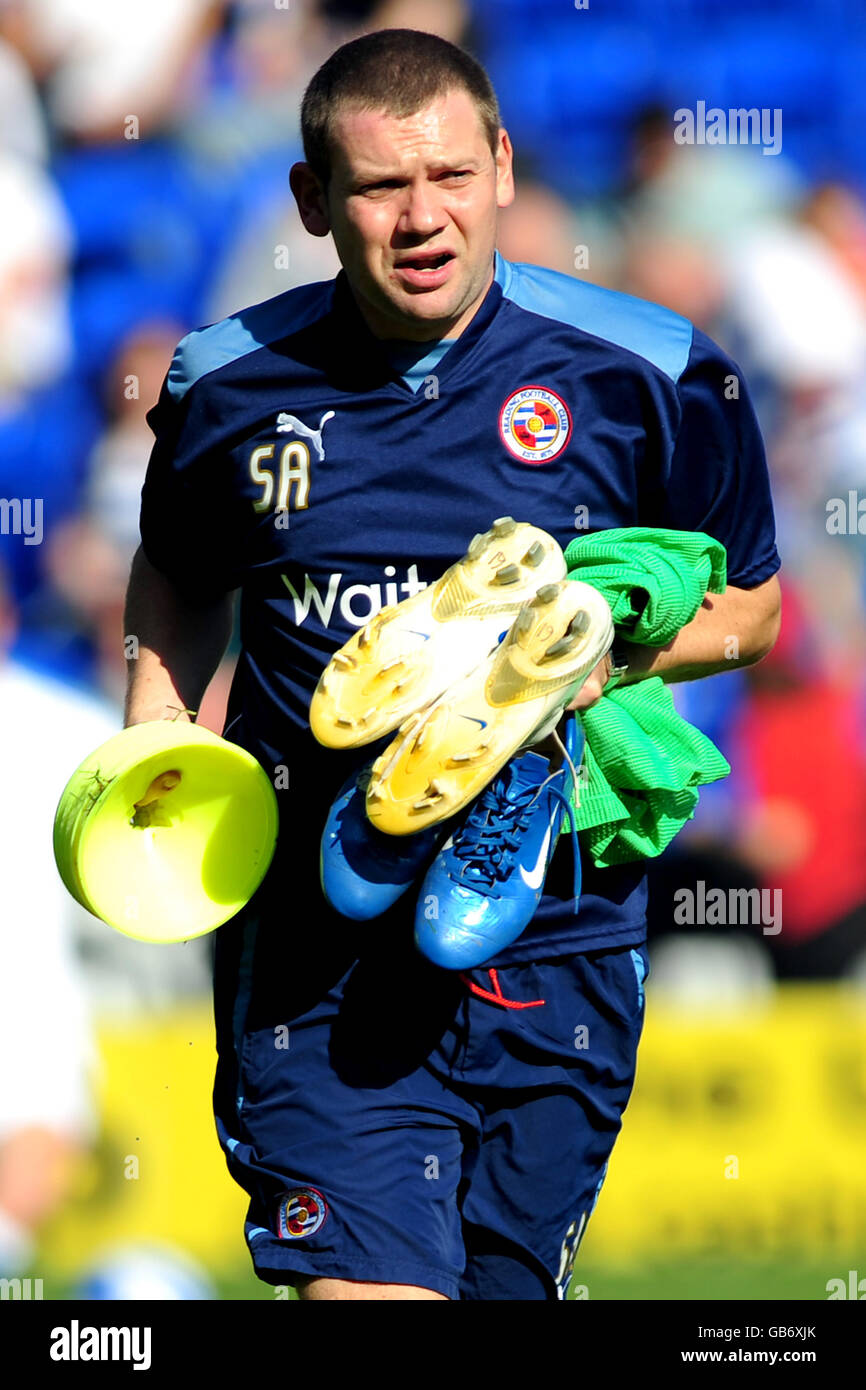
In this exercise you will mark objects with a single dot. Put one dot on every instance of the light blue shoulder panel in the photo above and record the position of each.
(652, 332)
(206, 349)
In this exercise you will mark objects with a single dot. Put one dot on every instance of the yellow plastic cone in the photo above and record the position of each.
(165, 831)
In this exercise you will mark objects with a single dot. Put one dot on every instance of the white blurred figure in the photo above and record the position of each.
(103, 62)
(706, 976)
(145, 1273)
(797, 310)
(58, 963)
(23, 129)
(46, 1114)
(800, 313)
(35, 248)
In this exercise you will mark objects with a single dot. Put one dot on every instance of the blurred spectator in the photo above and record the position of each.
(35, 245)
(23, 127)
(803, 826)
(271, 253)
(266, 60)
(542, 228)
(447, 18)
(102, 63)
(117, 465)
(707, 195)
(812, 340)
(46, 420)
(839, 216)
(89, 554)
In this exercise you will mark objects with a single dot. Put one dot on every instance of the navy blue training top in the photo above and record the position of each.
(563, 404)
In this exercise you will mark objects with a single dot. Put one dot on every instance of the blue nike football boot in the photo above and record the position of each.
(485, 883)
(363, 871)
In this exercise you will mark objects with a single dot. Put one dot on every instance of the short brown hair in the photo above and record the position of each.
(395, 70)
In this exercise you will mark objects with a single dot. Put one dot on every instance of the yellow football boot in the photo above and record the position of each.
(445, 755)
(410, 652)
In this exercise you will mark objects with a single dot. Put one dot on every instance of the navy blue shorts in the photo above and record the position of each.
(408, 1125)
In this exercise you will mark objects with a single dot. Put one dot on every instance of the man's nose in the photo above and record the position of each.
(422, 211)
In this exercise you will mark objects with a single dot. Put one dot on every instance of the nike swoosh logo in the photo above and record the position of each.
(416, 633)
(473, 720)
(535, 877)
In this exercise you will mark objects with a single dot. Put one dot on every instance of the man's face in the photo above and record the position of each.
(412, 208)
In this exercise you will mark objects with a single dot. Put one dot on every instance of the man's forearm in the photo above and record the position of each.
(736, 628)
(178, 646)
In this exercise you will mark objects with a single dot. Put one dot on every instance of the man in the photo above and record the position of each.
(404, 1132)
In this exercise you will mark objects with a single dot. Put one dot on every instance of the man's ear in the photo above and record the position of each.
(504, 160)
(310, 198)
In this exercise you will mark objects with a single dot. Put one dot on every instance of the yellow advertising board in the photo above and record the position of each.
(744, 1135)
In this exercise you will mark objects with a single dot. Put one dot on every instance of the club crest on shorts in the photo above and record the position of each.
(534, 424)
(302, 1212)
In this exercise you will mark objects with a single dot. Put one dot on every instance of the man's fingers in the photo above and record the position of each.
(593, 687)
(589, 694)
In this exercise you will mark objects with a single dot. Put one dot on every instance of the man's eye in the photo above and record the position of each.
(385, 185)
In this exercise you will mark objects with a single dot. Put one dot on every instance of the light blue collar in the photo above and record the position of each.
(416, 361)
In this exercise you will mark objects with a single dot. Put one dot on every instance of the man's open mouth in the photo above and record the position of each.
(426, 262)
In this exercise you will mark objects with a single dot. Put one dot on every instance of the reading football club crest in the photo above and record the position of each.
(302, 1212)
(534, 424)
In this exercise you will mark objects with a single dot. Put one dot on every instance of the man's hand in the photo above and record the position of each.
(592, 689)
(736, 628)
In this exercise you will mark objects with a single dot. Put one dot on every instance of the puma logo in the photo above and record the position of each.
(290, 424)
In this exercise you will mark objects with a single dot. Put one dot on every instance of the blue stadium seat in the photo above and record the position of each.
(556, 70)
(149, 227)
(778, 65)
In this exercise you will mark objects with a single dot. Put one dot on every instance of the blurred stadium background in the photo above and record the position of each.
(144, 150)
